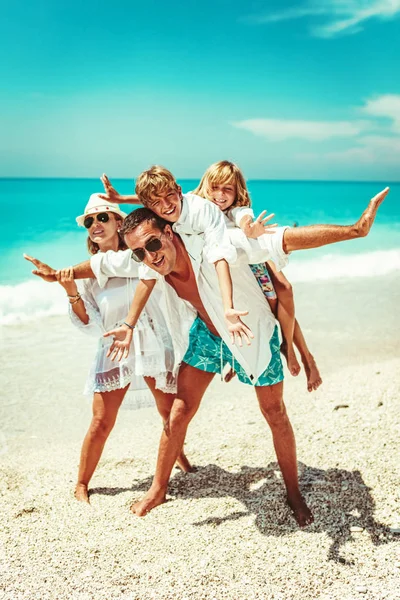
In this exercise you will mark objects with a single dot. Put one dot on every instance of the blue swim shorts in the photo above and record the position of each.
(205, 351)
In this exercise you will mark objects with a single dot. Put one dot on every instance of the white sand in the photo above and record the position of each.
(226, 532)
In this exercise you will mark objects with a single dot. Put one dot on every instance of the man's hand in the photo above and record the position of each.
(122, 340)
(42, 270)
(237, 329)
(258, 227)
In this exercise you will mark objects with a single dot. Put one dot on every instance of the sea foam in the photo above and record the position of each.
(36, 299)
(31, 300)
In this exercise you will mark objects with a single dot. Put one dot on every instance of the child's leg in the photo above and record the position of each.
(285, 316)
(310, 366)
(285, 296)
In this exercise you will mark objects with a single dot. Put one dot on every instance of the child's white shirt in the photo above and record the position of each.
(201, 217)
(235, 215)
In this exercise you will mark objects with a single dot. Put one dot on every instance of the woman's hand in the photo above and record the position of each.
(122, 340)
(65, 277)
(258, 227)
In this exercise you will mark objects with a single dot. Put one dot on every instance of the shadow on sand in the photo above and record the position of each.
(338, 498)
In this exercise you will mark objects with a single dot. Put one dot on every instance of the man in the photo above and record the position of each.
(187, 277)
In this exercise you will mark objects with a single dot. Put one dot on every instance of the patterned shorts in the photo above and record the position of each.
(260, 272)
(209, 353)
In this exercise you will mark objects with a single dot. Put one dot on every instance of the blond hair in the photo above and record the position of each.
(221, 173)
(154, 182)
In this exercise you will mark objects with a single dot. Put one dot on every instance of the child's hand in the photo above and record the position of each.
(237, 329)
(122, 340)
(65, 277)
(258, 227)
(111, 194)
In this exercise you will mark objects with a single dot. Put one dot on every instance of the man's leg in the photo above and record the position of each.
(164, 404)
(315, 236)
(271, 403)
(192, 384)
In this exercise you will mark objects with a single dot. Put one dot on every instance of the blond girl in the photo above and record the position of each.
(223, 183)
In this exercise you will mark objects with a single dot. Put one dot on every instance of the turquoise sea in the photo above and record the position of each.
(40, 220)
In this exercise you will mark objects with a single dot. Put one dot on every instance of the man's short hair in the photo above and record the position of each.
(154, 182)
(139, 216)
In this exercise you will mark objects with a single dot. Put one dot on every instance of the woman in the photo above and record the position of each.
(96, 310)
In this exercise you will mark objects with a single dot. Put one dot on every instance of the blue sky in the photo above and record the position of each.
(288, 90)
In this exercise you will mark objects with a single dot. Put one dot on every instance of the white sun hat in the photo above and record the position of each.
(98, 205)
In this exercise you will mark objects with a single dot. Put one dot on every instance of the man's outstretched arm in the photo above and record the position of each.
(315, 236)
(81, 271)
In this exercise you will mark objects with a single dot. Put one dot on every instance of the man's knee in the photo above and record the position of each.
(275, 413)
(271, 404)
(182, 412)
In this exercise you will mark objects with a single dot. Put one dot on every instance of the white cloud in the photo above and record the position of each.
(385, 106)
(370, 141)
(340, 16)
(280, 129)
(370, 149)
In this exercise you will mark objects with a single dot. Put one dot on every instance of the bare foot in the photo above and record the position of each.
(229, 375)
(301, 512)
(314, 379)
(291, 359)
(150, 501)
(183, 463)
(81, 493)
(366, 220)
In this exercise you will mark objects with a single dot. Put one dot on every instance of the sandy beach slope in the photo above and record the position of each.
(225, 531)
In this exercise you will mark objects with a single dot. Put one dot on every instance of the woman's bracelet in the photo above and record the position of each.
(130, 326)
(77, 295)
(74, 299)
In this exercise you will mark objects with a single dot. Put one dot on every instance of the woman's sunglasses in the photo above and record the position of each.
(152, 245)
(102, 217)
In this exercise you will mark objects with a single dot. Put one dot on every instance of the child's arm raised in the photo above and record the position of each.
(235, 325)
(111, 194)
(123, 335)
(218, 249)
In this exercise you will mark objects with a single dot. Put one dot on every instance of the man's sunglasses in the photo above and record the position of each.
(152, 245)
(102, 217)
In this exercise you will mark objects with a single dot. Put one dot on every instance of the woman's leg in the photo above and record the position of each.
(285, 316)
(105, 410)
(164, 404)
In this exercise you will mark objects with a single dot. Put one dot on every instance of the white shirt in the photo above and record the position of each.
(201, 217)
(255, 249)
(246, 293)
(235, 215)
(151, 353)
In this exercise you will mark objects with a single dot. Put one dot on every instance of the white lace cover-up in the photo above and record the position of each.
(151, 352)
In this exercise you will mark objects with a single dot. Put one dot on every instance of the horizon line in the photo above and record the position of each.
(14, 178)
